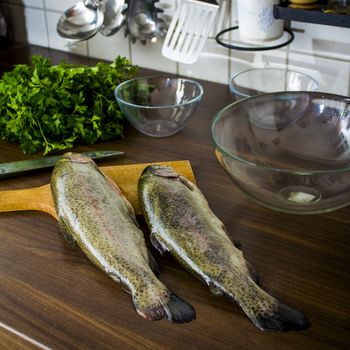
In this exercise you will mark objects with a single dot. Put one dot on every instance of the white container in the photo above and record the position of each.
(256, 21)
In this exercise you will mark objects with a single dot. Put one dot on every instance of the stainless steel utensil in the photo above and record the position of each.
(143, 22)
(81, 21)
(114, 16)
(23, 166)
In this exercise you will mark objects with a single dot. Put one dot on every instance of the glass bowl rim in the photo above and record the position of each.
(237, 92)
(195, 99)
(219, 114)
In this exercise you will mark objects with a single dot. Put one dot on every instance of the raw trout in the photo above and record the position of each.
(94, 213)
(182, 223)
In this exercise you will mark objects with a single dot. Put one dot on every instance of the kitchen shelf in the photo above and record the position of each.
(316, 16)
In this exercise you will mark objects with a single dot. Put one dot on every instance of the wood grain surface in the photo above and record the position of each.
(51, 296)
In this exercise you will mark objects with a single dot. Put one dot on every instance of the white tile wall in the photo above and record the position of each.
(331, 75)
(28, 3)
(243, 60)
(60, 5)
(109, 48)
(214, 57)
(149, 56)
(321, 40)
(321, 51)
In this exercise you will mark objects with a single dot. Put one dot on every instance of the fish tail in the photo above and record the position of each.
(265, 311)
(284, 318)
(175, 310)
(178, 311)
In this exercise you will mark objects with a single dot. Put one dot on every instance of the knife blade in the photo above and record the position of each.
(23, 166)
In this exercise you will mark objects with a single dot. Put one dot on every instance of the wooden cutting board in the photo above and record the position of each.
(125, 176)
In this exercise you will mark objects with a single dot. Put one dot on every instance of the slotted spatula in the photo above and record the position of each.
(189, 30)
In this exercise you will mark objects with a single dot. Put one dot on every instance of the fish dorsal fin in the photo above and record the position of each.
(168, 172)
(65, 231)
(215, 290)
(116, 277)
(253, 274)
(157, 244)
(165, 172)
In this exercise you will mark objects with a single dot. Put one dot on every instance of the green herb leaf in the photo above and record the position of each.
(52, 108)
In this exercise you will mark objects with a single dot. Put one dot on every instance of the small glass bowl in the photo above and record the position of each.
(258, 81)
(158, 106)
(289, 151)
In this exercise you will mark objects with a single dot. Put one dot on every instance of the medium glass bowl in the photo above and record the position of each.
(258, 81)
(158, 106)
(289, 151)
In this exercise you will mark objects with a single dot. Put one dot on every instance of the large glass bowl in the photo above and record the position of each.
(290, 151)
(158, 106)
(258, 81)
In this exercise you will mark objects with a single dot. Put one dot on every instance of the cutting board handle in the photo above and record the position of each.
(126, 176)
(38, 198)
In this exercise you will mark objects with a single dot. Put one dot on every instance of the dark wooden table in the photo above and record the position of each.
(54, 297)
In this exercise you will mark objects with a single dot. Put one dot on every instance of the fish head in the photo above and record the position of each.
(69, 160)
(76, 158)
(159, 170)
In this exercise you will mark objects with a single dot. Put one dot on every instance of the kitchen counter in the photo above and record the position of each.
(51, 296)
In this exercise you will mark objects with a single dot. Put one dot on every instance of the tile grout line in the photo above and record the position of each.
(229, 55)
(46, 25)
(130, 49)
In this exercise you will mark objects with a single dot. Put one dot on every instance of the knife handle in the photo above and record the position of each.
(38, 198)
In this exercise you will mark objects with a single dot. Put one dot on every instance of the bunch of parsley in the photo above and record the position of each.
(51, 108)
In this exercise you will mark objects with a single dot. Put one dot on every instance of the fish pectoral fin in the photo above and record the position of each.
(215, 290)
(253, 274)
(122, 283)
(236, 243)
(133, 216)
(157, 244)
(65, 231)
(187, 183)
(165, 172)
(153, 263)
